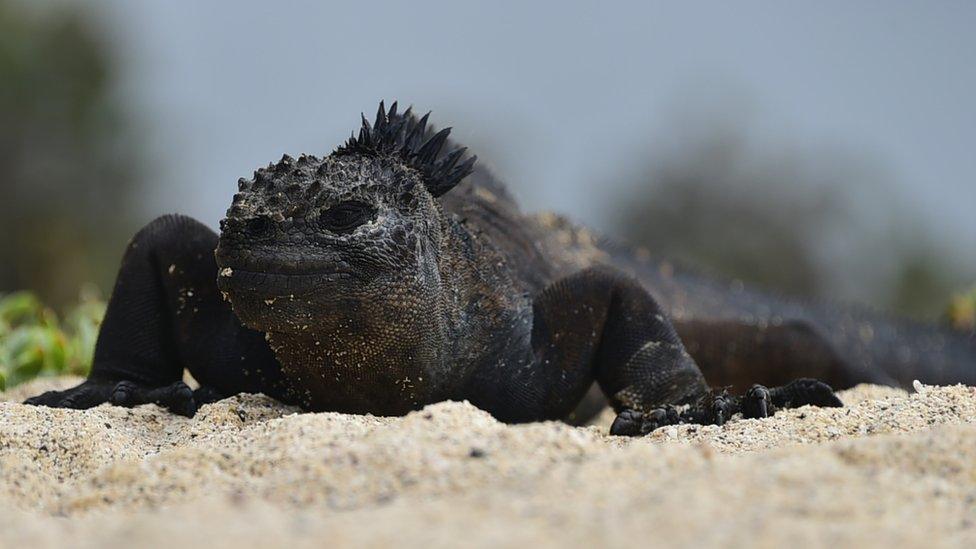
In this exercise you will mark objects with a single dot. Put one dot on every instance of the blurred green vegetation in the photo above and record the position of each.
(962, 310)
(35, 341)
(69, 159)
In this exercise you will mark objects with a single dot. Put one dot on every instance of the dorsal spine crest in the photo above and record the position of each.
(406, 137)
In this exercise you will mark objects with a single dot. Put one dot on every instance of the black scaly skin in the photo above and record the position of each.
(357, 283)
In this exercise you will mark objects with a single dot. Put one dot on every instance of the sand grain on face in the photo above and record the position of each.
(889, 469)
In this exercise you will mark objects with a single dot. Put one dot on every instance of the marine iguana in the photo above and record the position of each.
(394, 273)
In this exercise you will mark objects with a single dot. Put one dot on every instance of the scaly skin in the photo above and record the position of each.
(391, 274)
(739, 336)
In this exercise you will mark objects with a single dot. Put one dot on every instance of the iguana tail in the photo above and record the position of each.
(740, 335)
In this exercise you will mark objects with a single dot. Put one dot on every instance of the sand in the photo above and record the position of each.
(890, 469)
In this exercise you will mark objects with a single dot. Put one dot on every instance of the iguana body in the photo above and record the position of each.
(390, 275)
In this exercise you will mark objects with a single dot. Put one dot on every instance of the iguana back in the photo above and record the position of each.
(732, 330)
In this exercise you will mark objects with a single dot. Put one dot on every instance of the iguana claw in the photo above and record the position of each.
(718, 408)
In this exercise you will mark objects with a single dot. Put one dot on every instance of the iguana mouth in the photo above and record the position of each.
(276, 283)
(262, 262)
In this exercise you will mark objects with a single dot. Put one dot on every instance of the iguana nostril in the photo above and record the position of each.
(258, 226)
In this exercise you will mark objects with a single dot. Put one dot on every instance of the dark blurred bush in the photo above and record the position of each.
(815, 222)
(69, 162)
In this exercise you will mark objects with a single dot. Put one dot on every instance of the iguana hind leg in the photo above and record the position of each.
(166, 314)
(606, 323)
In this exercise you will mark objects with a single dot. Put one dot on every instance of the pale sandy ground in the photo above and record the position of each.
(891, 469)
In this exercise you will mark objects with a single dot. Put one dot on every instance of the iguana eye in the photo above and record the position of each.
(346, 216)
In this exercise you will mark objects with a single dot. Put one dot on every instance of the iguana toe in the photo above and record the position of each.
(757, 403)
(86, 395)
(636, 423)
(176, 397)
(803, 391)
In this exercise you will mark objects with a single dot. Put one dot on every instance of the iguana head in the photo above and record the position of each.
(313, 243)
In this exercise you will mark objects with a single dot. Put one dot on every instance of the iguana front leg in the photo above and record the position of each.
(607, 322)
(166, 315)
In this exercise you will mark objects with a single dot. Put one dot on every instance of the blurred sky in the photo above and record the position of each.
(558, 96)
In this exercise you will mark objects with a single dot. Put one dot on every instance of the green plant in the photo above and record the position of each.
(962, 310)
(34, 341)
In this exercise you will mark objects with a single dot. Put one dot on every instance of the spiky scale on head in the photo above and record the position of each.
(394, 143)
(386, 178)
(407, 138)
